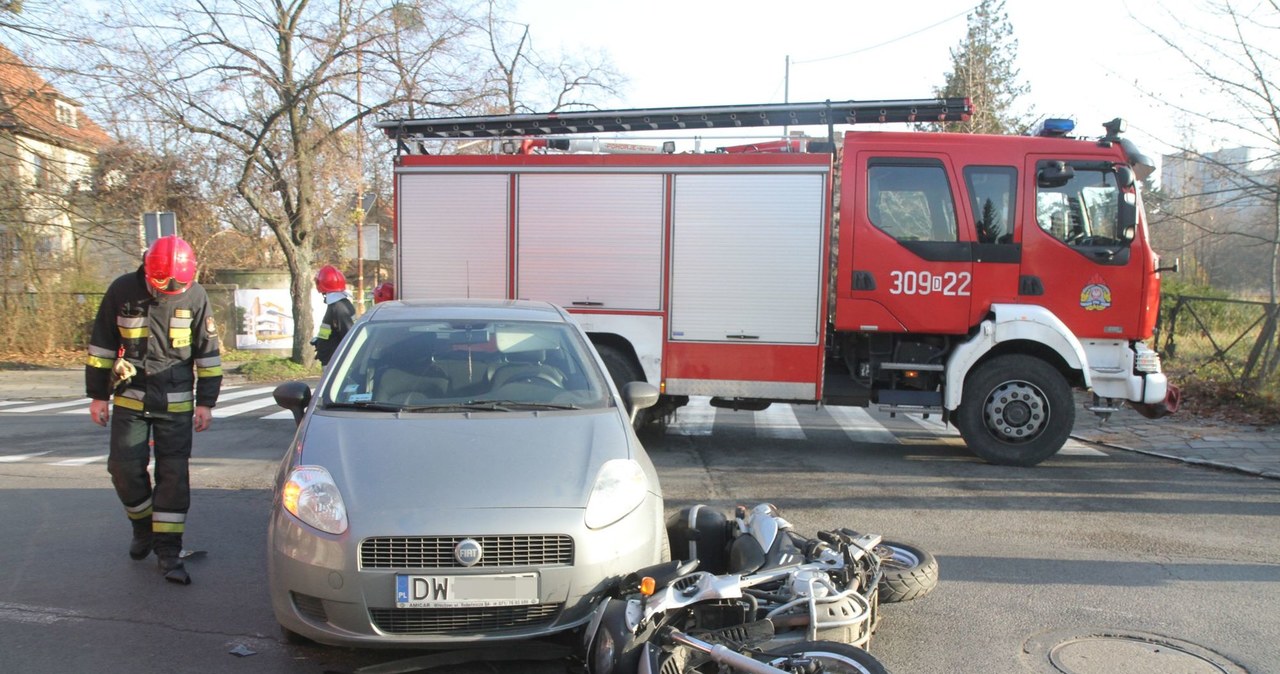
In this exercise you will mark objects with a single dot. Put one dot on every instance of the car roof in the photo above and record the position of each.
(467, 309)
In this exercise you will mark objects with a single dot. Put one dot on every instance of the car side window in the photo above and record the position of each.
(991, 197)
(910, 200)
(1078, 203)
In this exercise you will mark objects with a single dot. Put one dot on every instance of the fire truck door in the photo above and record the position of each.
(912, 269)
(1077, 257)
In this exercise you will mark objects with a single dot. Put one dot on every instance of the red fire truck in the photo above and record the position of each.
(977, 277)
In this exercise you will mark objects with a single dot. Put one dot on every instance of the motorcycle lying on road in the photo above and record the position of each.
(751, 595)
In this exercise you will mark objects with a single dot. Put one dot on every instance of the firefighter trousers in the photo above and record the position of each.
(165, 503)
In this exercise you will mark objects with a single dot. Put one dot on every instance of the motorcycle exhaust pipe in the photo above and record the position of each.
(723, 655)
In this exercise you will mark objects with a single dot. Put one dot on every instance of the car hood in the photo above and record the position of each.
(431, 461)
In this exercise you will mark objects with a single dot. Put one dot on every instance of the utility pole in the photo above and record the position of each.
(359, 187)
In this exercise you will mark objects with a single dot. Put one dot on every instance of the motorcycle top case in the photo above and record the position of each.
(699, 531)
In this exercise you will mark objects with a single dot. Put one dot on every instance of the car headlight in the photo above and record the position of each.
(312, 496)
(619, 489)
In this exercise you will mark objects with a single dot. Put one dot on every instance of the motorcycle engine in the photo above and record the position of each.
(810, 582)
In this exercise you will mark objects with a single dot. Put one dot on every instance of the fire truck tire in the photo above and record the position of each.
(1016, 410)
(908, 572)
(623, 369)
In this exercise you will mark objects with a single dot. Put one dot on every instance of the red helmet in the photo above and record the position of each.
(384, 293)
(330, 280)
(170, 265)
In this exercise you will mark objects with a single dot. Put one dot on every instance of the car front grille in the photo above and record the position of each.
(436, 552)
(449, 621)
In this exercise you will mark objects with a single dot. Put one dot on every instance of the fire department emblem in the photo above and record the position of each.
(1096, 296)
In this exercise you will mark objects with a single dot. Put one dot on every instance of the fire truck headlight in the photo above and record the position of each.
(1145, 360)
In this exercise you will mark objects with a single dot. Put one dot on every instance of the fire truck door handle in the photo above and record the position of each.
(585, 303)
(742, 336)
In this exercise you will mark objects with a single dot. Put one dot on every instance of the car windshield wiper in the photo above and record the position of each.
(475, 406)
(526, 405)
(367, 405)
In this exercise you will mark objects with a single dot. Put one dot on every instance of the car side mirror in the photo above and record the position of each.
(293, 396)
(638, 395)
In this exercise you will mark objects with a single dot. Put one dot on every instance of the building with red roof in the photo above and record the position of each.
(48, 149)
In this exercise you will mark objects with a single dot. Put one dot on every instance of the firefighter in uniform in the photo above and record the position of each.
(339, 313)
(154, 354)
(384, 293)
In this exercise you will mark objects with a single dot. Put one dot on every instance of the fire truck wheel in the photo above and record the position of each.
(623, 370)
(1016, 410)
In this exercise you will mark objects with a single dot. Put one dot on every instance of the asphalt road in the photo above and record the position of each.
(1088, 542)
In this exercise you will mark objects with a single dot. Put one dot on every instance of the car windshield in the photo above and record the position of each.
(452, 366)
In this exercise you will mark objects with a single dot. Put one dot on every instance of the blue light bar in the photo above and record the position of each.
(1056, 126)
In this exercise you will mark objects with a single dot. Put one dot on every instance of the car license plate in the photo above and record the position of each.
(519, 589)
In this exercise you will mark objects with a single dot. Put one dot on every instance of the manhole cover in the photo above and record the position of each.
(1108, 651)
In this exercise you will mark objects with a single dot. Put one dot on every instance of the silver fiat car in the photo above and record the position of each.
(465, 471)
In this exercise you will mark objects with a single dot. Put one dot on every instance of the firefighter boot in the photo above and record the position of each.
(168, 555)
(140, 546)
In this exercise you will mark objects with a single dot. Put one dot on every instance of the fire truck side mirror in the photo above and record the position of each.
(1128, 214)
(1124, 177)
(1054, 174)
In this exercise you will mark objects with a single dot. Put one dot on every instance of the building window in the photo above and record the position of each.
(40, 171)
(66, 113)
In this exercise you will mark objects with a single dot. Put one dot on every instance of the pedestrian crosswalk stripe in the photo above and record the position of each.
(81, 461)
(6, 403)
(859, 426)
(1077, 448)
(49, 406)
(284, 414)
(696, 418)
(241, 408)
(14, 458)
(243, 393)
(778, 421)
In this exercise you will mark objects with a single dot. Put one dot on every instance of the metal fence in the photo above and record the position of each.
(1228, 340)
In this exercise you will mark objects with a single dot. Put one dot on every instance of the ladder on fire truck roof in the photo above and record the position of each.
(826, 113)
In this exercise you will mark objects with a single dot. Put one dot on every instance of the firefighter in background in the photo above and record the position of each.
(339, 312)
(384, 293)
(154, 354)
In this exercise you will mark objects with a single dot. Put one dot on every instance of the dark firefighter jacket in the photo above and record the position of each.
(339, 315)
(171, 340)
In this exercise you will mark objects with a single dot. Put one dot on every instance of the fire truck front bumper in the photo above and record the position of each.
(1132, 372)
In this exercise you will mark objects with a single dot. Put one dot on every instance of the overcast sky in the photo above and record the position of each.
(1081, 58)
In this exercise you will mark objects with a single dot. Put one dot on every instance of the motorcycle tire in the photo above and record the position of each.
(832, 657)
(908, 572)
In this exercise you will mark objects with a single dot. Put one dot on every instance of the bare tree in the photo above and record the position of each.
(1230, 46)
(270, 87)
(522, 79)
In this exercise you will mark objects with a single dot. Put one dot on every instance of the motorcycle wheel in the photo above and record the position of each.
(831, 657)
(908, 572)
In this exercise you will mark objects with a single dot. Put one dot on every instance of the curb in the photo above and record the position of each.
(1271, 475)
